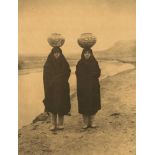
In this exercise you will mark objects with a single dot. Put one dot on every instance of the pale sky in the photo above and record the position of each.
(108, 20)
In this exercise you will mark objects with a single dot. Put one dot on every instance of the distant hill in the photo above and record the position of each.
(124, 51)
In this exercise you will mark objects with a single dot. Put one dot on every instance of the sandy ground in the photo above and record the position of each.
(116, 130)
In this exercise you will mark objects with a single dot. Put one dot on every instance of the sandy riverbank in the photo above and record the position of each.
(115, 134)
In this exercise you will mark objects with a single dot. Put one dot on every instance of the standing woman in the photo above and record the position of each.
(88, 88)
(56, 87)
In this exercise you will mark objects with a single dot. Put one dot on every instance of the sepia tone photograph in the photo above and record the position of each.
(77, 77)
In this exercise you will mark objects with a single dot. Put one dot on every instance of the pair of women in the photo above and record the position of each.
(57, 93)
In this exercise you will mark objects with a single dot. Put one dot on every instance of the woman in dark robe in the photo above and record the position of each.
(56, 87)
(88, 88)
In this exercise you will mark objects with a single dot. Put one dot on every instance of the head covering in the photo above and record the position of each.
(87, 50)
(51, 59)
(56, 49)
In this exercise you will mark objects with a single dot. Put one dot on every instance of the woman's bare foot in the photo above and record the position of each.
(93, 126)
(60, 127)
(85, 127)
(52, 128)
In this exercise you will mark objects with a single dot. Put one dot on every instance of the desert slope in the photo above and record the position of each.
(115, 134)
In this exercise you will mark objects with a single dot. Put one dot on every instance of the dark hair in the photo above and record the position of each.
(56, 49)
